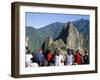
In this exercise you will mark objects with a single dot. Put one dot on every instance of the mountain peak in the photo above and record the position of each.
(69, 27)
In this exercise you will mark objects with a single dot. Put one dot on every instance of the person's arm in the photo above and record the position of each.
(43, 59)
(66, 60)
(62, 60)
(82, 59)
(72, 59)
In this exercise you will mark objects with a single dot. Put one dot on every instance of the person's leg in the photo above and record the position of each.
(48, 63)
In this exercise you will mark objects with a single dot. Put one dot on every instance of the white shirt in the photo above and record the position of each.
(28, 57)
(58, 59)
(69, 59)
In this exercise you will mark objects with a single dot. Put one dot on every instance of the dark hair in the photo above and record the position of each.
(29, 52)
(49, 51)
(85, 52)
(27, 48)
(69, 51)
(77, 50)
(72, 51)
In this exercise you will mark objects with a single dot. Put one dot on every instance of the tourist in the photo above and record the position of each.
(86, 58)
(50, 58)
(58, 58)
(28, 58)
(39, 57)
(69, 57)
(78, 58)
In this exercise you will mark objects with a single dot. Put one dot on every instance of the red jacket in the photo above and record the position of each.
(50, 56)
(78, 58)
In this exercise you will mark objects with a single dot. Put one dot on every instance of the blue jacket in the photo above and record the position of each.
(39, 57)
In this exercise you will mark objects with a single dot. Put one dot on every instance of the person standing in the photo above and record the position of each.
(69, 58)
(86, 58)
(58, 58)
(28, 58)
(39, 57)
(50, 58)
(78, 57)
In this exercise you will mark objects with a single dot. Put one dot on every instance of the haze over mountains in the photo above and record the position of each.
(73, 35)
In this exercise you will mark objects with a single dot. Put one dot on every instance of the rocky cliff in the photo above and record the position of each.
(74, 34)
(69, 37)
